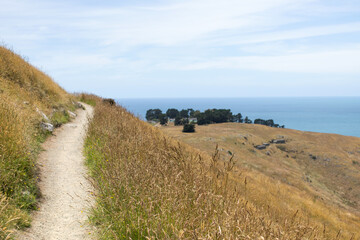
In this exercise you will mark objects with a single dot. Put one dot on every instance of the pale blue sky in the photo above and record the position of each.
(190, 48)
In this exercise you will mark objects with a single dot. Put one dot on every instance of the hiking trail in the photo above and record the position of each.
(66, 191)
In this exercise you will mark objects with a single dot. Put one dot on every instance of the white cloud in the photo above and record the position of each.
(168, 24)
(208, 22)
(292, 34)
(140, 41)
(343, 62)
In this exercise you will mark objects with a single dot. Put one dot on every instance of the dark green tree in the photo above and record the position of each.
(189, 128)
(163, 119)
(237, 118)
(195, 114)
(201, 119)
(184, 113)
(269, 123)
(191, 112)
(153, 114)
(178, 121)
(184, 121)
(247, 120)
(149, 115)
(260, 121)
(218, 115)
(172, 113)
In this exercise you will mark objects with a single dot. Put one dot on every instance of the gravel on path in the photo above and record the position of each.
(66, 191)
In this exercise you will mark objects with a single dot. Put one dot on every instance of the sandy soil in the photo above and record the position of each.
(66, 192)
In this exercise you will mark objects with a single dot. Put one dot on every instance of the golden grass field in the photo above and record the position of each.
(24, 91)
(152, 186)
(315, 173)
(164, 184)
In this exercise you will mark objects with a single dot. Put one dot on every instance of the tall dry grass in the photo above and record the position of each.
(276, 180)
(17, 172)
(24, 91)
(87, 98)
(152, 187)
(20, 78)
(10, 217)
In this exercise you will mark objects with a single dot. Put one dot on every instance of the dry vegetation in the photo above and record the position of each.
(314, 173)
(24, 91)
(150, 186)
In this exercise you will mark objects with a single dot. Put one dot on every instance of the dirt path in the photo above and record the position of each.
(66, 193)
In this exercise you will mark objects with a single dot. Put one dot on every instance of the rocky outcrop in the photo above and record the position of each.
(43, 115)
(260, 147)
(47, 126)
(73, 115)
(265, 145)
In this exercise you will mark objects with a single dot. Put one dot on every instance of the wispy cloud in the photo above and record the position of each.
(319, 62)
(141, 40)
(292, 34)
(169, 24)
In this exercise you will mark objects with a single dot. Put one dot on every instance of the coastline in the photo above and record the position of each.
(337, 115)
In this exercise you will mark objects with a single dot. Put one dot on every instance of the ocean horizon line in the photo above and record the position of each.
(236, 97)
(339, 115)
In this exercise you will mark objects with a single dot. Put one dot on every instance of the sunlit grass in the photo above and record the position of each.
(277, 180)
(150, 186)
(24, 93)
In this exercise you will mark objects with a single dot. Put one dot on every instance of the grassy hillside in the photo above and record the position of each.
(150, 186)
(317, 174)
(26, 94)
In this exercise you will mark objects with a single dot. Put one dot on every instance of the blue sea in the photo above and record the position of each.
(339, 115)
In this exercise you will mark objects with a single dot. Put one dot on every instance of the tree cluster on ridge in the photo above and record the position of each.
(209, 116)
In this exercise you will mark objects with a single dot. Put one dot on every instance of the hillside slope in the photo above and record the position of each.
(150, 186)
(28, 100)
(318, 174)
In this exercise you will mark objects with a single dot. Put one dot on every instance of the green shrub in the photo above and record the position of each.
(189, 128)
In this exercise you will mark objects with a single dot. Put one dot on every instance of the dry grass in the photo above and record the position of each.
(20, 78)
(10, 217)
(325, 190)
(24, 90)
(150, 186)
(87, 98)
(16, 164)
